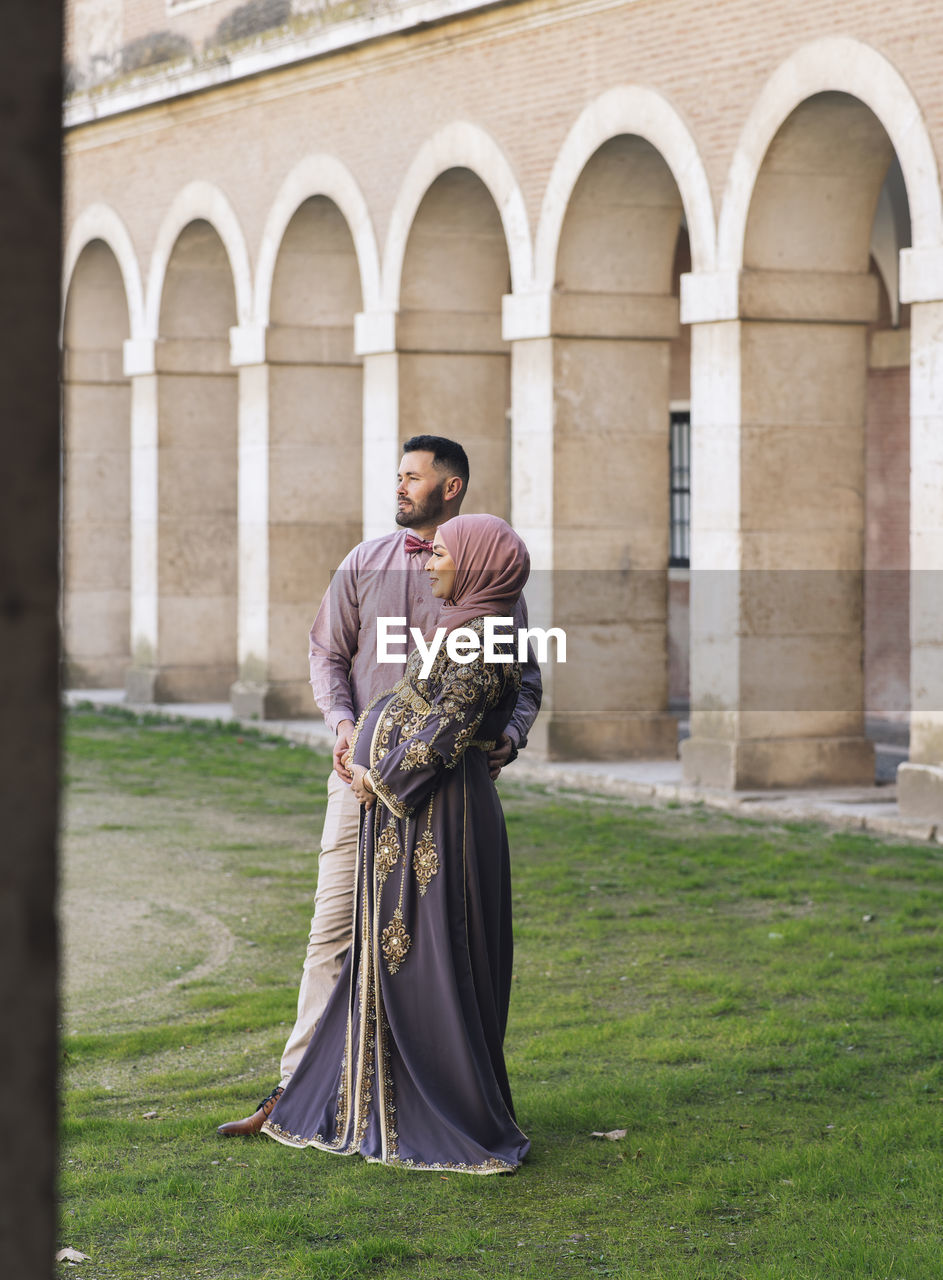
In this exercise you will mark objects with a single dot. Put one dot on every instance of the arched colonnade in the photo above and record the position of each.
(229, 435)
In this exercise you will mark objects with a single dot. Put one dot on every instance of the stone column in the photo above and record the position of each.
(250, 692)
(526, 325)
(375, 344)
(183, 520)
(139, 366)
(96, 562)
(887, 533)
(300, 405)
(591, 390)
(779, 366)
(920, 782)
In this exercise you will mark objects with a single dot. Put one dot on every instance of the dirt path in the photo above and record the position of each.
(153, 897)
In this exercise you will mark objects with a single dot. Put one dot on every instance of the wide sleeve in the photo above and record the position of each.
(436, 737)
(333, 643)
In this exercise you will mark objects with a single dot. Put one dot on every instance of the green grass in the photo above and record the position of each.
(758, 1006)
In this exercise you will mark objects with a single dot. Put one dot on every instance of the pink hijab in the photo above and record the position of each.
(492, 565)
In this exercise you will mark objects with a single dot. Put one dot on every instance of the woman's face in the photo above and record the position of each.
(441, 570)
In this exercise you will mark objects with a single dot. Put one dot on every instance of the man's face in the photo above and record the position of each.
(420, 490)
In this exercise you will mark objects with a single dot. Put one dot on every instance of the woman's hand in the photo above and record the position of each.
(359, 785)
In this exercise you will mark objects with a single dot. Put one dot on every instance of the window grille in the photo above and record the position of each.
(680, 466)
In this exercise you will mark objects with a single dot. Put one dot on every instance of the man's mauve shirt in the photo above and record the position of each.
(379, 580)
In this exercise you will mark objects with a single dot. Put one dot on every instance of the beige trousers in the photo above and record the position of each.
(333, 921)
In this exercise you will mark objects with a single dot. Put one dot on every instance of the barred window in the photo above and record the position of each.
(680, 493)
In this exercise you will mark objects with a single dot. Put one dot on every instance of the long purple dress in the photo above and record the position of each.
(407, 1066)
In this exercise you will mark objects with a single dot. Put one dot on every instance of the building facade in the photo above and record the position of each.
(560, 231)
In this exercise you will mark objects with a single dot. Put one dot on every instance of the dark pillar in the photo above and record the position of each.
(30, 197)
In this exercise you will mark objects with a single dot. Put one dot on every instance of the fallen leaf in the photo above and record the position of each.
(638, 1155)
(613, 1135)
(71, 1255)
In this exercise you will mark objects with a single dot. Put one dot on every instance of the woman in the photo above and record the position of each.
(407, 1066)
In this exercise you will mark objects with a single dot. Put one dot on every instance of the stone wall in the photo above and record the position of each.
(514, 184)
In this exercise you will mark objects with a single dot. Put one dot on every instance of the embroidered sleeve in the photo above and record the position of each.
(413, 751)
(419, 752)
(386, 796)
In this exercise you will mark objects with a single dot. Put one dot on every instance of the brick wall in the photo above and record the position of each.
(522, 73)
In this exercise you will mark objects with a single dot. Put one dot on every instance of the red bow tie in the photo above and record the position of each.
(414, 545)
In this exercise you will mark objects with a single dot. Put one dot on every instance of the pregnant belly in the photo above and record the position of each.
(367, 730)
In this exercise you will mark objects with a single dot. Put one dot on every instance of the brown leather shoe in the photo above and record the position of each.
(252, 1124)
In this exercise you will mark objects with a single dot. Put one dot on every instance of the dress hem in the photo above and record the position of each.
(411, 1166)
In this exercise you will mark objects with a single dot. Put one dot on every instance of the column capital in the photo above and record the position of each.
(375, 332)
(708, 296)
(247, 344)
(921, 275)
(526, 315)
(139, 356)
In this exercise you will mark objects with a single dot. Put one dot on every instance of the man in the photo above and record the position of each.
(379, 578)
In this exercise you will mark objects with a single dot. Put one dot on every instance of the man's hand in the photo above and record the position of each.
(499, 757)
(341, 747)
(359, 788)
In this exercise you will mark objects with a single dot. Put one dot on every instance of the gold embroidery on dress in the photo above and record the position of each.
(419, 753)
(388, 797)
(361, 719)
(425, 855)
(367, 1063)
(388, 851)
(494, 1165)
(395, 942)
(386, 1085)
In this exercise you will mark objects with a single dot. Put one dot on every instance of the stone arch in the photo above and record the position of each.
(404, 370)
(613, 231)
(96, 405)
(326, 176)
(631, 111)
(453, 365)
(309, 294)
(459, 145)
(194, 472)
(101, 222)
(796, 236)
(199, 202)
(836, 64)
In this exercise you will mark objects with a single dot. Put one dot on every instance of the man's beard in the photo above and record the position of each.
(423, 512)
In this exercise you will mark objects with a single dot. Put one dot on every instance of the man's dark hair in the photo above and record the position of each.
(447, 455)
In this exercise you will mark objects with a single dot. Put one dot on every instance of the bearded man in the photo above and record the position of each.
(381, 578)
